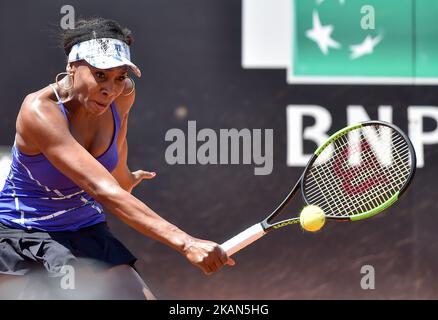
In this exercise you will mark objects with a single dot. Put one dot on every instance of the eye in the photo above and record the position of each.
(100, 75)
(122, 78)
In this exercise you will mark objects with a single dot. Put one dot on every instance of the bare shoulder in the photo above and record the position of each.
(37, 106)
(38, 113)
(38, 99)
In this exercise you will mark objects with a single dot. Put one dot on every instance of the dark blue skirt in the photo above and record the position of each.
(23, 251)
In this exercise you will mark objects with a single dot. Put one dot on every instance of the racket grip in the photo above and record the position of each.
(243, 239)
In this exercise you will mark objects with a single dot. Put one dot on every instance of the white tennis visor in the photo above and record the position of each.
(103, 53)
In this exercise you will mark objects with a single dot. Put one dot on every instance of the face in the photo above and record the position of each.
(96, 89)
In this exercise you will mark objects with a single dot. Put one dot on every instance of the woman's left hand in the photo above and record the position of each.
(140, 175)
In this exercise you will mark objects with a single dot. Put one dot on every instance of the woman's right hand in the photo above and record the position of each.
(206, 255)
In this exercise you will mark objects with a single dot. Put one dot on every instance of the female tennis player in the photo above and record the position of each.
(69, 168)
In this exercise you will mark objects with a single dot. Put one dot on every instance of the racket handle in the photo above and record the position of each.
(243, 239)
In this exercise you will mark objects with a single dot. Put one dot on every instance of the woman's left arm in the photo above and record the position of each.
(127, 179)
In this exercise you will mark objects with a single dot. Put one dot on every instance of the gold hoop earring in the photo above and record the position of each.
(57, 83)
(133, 87)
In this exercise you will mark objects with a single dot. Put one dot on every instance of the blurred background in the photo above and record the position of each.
(284, 65)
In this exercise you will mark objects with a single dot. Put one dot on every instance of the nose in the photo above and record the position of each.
(108, 89)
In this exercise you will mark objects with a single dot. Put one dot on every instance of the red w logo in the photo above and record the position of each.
(370, 167)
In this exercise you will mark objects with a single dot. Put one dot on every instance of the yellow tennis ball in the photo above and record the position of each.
(312, 218)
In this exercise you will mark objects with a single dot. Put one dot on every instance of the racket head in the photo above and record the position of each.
(359, 171)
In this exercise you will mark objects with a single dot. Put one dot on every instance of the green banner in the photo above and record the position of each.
(364, 41)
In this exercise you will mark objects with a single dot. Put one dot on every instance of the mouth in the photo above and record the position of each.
(101, 105)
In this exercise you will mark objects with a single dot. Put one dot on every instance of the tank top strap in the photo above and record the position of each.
(61, 105)
(116, 116)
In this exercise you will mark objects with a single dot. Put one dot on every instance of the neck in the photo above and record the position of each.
(67, 97)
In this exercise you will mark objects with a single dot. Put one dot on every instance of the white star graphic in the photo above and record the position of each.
(366, 47)
(322, 34)
(321, 1)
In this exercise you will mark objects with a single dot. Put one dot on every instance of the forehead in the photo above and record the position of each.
(83, 63)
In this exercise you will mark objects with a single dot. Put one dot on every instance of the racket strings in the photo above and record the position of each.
(359, 171)
(375, 198)
(380, 179)
(311, 192)
(340, 199)
(377, 195)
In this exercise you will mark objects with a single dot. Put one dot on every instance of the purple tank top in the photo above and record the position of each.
(38, 196)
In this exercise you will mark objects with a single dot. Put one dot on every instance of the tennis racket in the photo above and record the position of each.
(358, 172)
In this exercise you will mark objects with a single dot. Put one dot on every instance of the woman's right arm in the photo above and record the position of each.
(44, 127)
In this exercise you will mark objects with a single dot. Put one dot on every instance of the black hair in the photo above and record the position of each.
(94, 28)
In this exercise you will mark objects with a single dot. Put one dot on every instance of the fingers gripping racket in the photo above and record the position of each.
(358, 172)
